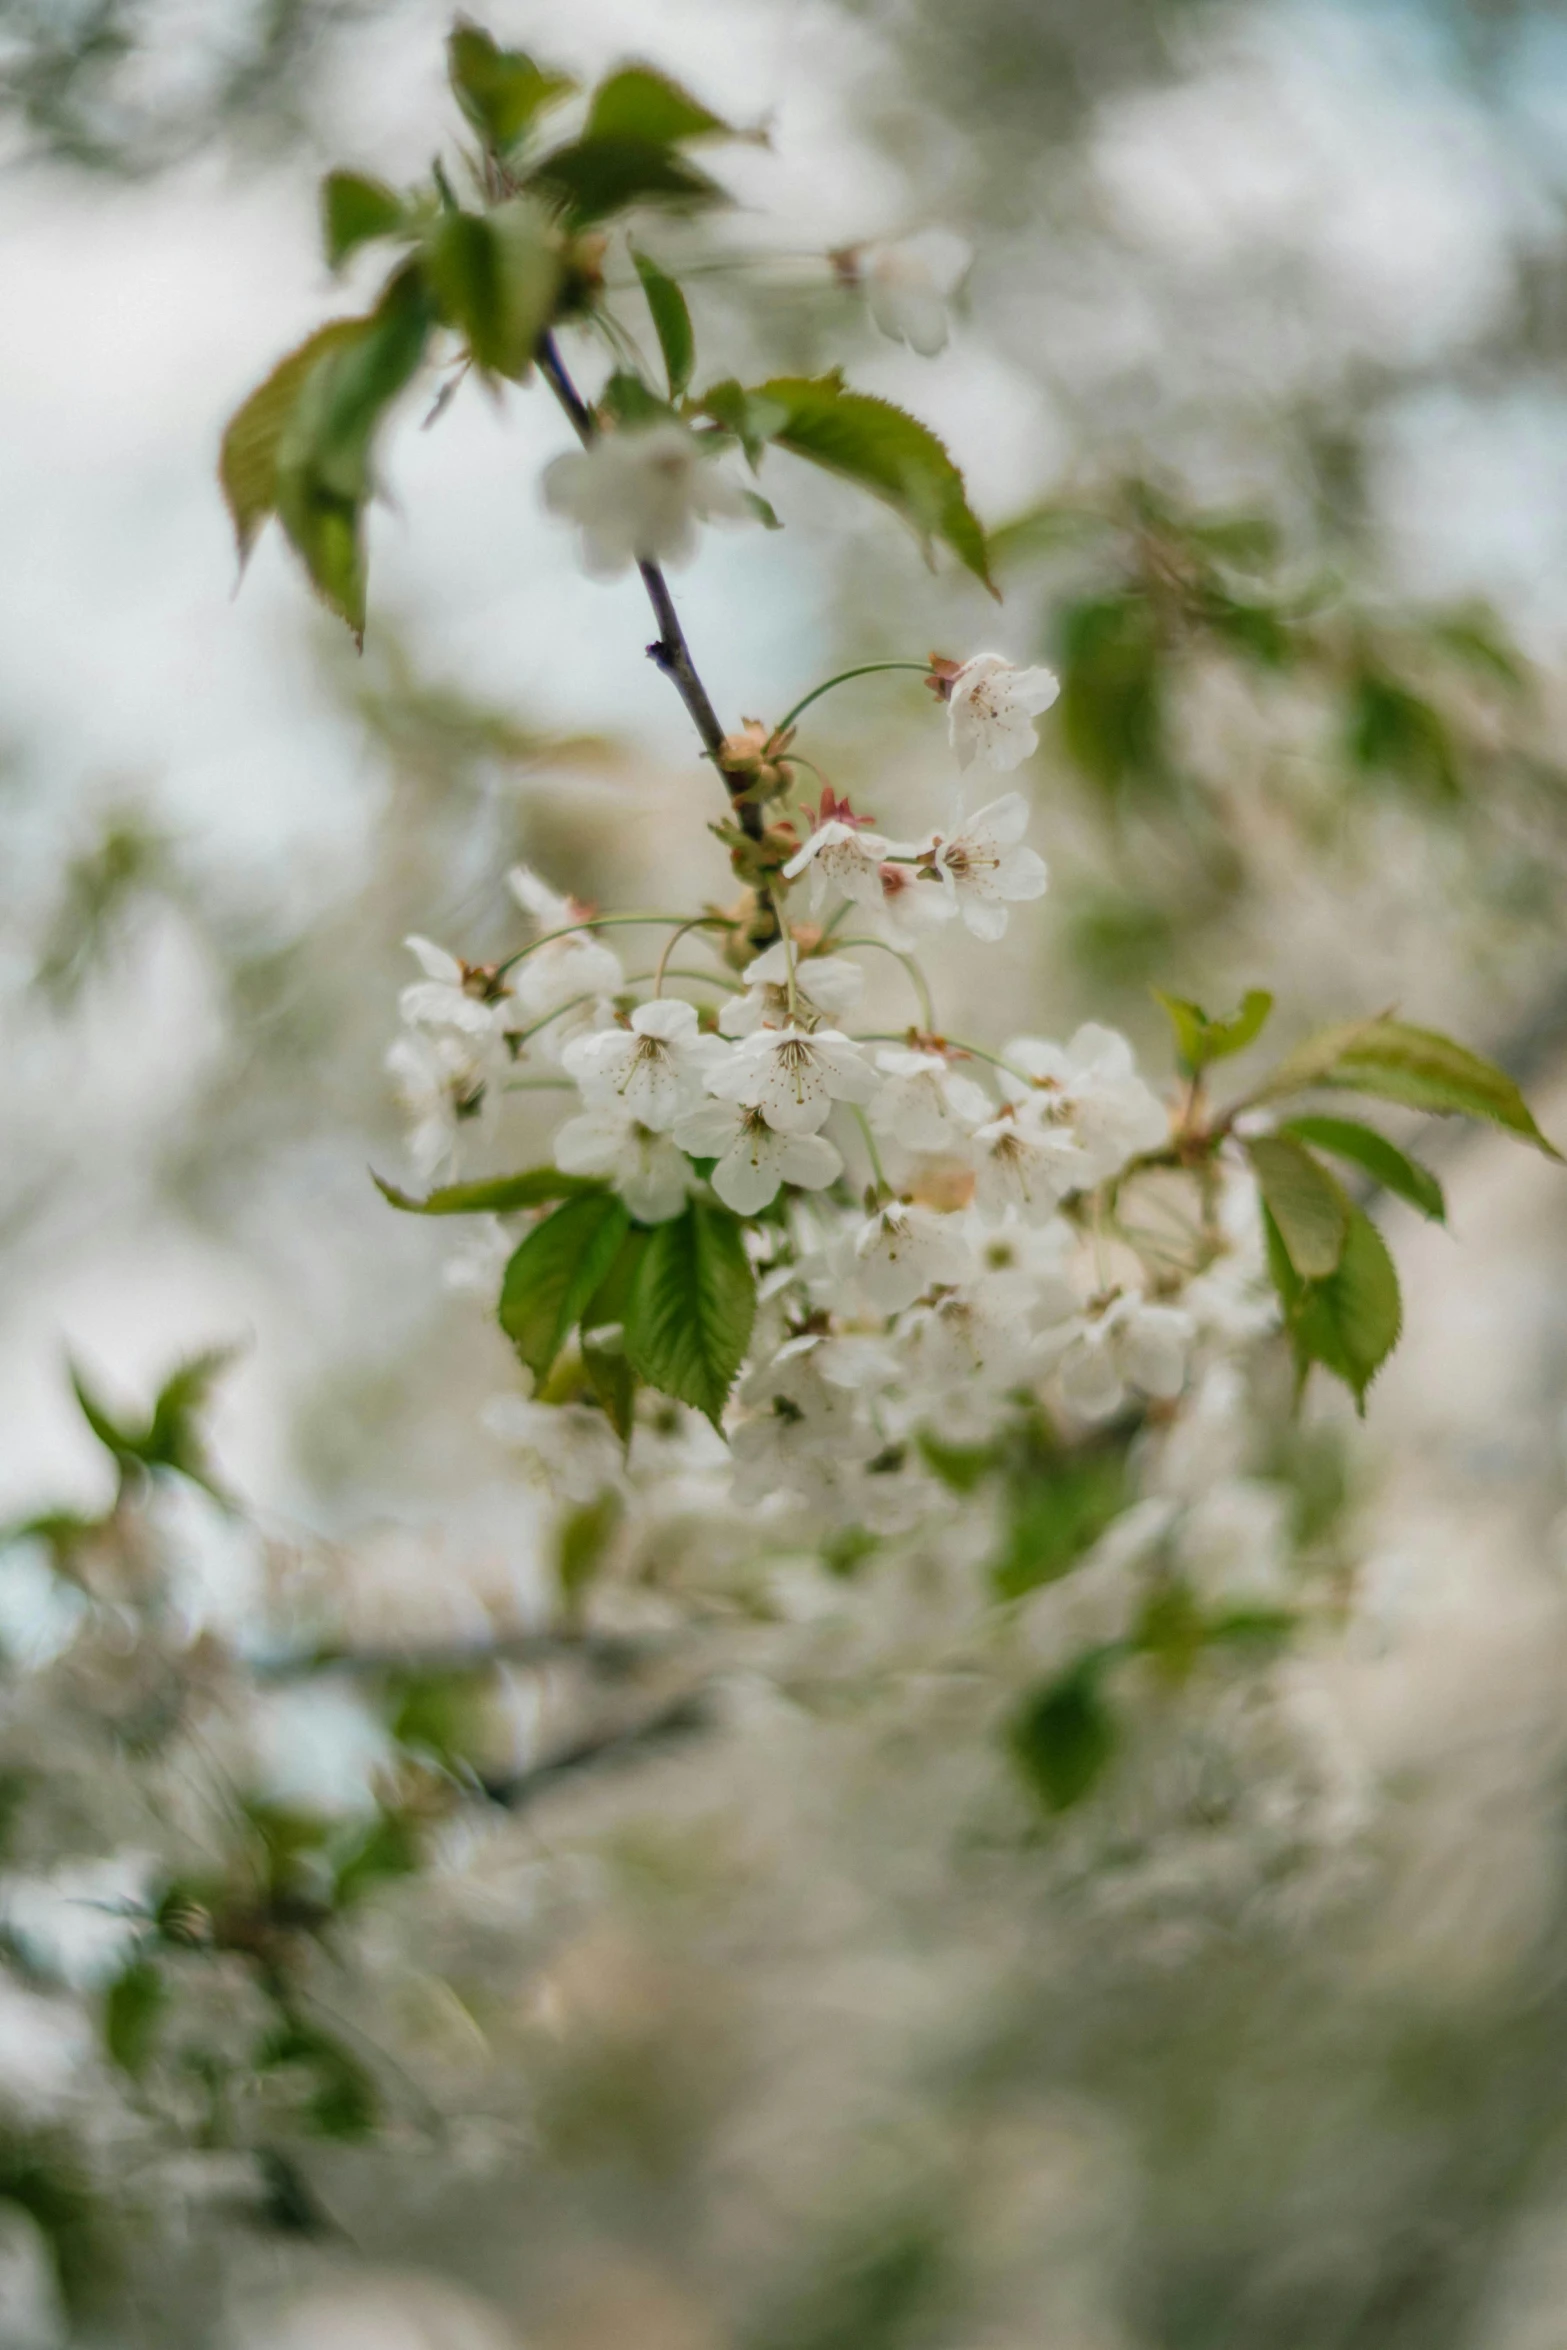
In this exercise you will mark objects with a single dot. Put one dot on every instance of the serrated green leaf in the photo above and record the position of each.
(1062, 1737)
(501, 91)
(247, 463)
(594, 178)
(1308, 1205)
(355, 210)
(133, 2008)
(604, 1360)
(491, 1195)
(692, 1305)
(1199, 1040)
(884, 450)
(1428, 1071)
(671, 323)
(751, 419)
(1309, 1062)
(1350, 1322)
(1383, 1161)
(495, 277)
(555, 1272)
(323, 477)
(639, 102)
(1111, 711)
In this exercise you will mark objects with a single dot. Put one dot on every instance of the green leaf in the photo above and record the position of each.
(324, 451)
(1382, 1160)
(388, 1848)
(628, 400)
(752, 420)
(1112, 690)
(585, 1537)
(1350, 1322)
(556, 1271)
(671, 323)
(501, 91)
(171, 1437)
(1200, 1040)
(1059, 1503)
(691, 1308)
(1427, 1071)
(1393, 732)
(1308, 1205)
(132, 2011)
(639, 102)
(593, 178)
(495, 277)
(609, 1373)
(354, 211)
(1477, 637)
(1045, 530)
(491, 1195)
(885, 451)
(1253, 629)
(1062, 1737)
(343, 2103)
(247, 463)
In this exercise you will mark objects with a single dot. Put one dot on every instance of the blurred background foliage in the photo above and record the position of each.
(732, 2011)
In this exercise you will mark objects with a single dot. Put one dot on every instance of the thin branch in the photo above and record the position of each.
(669, 652)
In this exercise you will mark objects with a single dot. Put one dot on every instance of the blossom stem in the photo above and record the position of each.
(788, 948)
(877, 1169)
(917, 977)
(670, 943)
(615, 922)
(669, 651)
(865, 669)
(956, 1044)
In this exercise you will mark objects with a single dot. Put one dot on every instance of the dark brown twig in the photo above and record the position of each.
(669, 652)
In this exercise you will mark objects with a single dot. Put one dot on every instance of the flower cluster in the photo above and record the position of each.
(932, 1225)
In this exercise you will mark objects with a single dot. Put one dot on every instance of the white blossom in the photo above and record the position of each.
(637, 495)
(966, 1349)
(440, 1082)
(826, 986)
(653, 1068)
(754, 1158)
(571, 1448)
(797, 1422)
(793, 1076)
(453, 994)
(991, 708)
(910, 903)
(983, 864)
(925, 1104)
(842, 856)
(569, 965)
(1027, 1160)
(476, 1264)
(903, 1250)
(1131, 1344)
(1090, 1086)
(644, 1165)
(909, 283)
